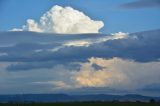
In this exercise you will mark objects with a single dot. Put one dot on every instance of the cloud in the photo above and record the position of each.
(20, 82)
(54, 48)
(3, 54)
(117, 73)
(16, 29)
(114, 74)
(25, 66)
(63, 20)
(32, 26)
(120, 62)
(89, 42)
(88, 76)
(142, 4)
(45, 51)
(78, 43)
(57, 85)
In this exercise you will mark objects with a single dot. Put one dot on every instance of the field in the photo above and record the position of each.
(86, 104)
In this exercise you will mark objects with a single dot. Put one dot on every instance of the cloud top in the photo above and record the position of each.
(63, 20)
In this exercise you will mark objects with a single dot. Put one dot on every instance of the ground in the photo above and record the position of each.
(85, 104)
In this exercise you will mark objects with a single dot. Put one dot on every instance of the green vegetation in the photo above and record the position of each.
(84, 104)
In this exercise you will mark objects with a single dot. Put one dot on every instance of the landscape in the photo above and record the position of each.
(79, 52)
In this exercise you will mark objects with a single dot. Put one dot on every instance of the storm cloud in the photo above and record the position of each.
(29, 60)
(140, 47)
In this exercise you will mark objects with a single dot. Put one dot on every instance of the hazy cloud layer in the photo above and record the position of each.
(115, 75)
(63, 20)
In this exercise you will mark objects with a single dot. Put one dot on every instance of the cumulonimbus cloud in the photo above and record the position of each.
(63, 20)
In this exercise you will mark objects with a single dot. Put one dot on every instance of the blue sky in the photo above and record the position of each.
(14, 13)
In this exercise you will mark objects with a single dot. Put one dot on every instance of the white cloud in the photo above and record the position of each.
(16, 29)
(114, 36)
(120, 35)
(78, 43)
(32, 26)
(89, 42)
(117, 73)
(63, 20)
(91, 77)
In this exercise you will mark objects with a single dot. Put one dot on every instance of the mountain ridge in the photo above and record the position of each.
(72, 98)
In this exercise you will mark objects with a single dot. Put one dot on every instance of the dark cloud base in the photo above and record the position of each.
(140, 47)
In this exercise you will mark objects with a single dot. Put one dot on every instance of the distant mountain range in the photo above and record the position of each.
(72, 98)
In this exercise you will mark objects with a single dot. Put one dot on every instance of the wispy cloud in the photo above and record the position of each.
(142, 4)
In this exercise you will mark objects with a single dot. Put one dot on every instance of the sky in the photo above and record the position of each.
(80, 47)
(115, 15)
